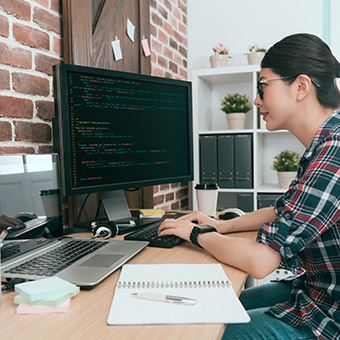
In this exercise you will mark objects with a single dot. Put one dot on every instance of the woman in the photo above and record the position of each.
(297, 91)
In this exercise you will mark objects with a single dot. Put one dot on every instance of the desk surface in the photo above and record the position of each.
(86, 318)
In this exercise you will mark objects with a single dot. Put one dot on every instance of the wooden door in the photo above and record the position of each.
(89, 27)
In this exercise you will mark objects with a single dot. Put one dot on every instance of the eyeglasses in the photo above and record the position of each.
(261, 82)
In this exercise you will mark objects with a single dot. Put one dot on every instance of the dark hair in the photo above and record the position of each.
(307, 54)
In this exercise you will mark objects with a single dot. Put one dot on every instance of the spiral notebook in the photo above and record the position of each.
(207, 284)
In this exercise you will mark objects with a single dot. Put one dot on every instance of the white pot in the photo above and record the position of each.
(236, 121)
(255, 58)
(219, 60)
(285, 178)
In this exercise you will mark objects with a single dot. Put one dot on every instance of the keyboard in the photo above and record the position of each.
(55, 260)
(28, 230)
(149, 233)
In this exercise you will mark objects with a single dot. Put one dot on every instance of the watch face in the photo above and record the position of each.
(206, 228)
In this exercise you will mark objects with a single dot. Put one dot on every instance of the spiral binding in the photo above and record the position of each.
(173, 284)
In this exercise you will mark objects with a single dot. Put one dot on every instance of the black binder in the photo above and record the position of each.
(225, 163)
(208, 159)
(243, 161)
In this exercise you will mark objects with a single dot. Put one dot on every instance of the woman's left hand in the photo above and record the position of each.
(179, 227)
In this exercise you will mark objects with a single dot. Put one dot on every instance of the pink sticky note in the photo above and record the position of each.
(34, 309)
(146, 48)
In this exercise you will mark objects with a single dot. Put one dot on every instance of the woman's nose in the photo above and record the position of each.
(257, 100)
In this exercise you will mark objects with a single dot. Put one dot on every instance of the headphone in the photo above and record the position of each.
(104, 229)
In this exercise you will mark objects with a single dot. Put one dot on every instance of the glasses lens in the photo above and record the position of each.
(259, 89)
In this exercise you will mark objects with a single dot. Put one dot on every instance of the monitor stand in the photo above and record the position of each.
(116, 207)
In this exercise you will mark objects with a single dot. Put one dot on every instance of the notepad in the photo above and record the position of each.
(45, 288)
(31, 309)
(151, 212)
(216, 301)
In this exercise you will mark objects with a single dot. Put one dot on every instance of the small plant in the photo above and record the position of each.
(286, 161)
(255, 48)
(221, 49)
(235, 102)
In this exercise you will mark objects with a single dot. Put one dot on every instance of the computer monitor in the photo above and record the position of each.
(117, 130)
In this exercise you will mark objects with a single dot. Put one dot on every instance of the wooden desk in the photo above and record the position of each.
(86, 318)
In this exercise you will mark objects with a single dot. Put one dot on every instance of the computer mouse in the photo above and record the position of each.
(228, 214)
(26, 216)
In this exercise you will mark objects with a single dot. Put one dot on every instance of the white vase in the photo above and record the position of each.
(285, 178)
(236, 121)
(255, 58)
(219, 60)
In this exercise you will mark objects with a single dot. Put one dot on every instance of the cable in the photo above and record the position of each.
(10, 284)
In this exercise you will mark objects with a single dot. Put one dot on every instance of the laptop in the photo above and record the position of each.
(39, 250)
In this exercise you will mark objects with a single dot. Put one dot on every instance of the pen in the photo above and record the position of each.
(3, 235)
(165, 298)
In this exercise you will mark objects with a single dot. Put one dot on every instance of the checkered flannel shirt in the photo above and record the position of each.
(306, 233)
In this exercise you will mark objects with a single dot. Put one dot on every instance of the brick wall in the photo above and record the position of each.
(30, 44)
(169, 59)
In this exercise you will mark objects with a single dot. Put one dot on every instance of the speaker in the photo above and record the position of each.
(104, 229)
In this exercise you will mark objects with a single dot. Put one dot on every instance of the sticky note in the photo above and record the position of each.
(116, 49)
(130, 30)
(146, 48)
(31, 309)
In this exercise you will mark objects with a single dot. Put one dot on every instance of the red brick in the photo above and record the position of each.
(57, 46)
(163, 12)
(43, 2)
(47, 20)
(183, 73)
(4, 26)
(162, 61)
(182, 28)
(177, 13)
(31, 36)
(16, 107)
(181, 193)
(168, 28)
(156, 19)
(153, 58)
(182, 6)
(167, 3)
(156, 46)
(20, 9)
(5, 131)
(184, 204)
(164, 187)
(4, 80)
(15, 56)
(153, 3)
(173, 67)
(163, 37)
(183, 51)
(45, 109)
(173, 43)
(45, 148)
(155, 189)
(157, 72)
(175, 185)
(158, 199)
(44, 63)
(56, 5)
(32, 132)
(175, 206)
(26, 83)
(6, 150)
(170, 196)
(153, 30)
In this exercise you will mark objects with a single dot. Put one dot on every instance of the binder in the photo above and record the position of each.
(208, 159)
(243, 161)
(225, 163)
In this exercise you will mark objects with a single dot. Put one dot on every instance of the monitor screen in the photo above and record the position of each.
(116, 130)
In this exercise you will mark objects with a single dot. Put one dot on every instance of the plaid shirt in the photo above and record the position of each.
(306, 233)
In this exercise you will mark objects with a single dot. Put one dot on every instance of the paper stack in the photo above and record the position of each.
(151, 213)
(44, 296)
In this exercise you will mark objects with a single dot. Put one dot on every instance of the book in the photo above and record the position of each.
(33, 309)
(45, 288)
(49, 302)
(206, 284)
(151, 212)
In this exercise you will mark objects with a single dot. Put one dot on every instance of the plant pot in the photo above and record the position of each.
(255, 58)
(236, 121)
(219, 60)
(285, 178)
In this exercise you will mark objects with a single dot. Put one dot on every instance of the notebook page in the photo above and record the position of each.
(215, 304)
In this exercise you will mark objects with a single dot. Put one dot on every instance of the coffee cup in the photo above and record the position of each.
(207, 198)
(51, 202)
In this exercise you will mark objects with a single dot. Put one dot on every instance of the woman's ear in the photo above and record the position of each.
(303, 86)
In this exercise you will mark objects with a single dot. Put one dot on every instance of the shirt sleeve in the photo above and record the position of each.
(310, 206)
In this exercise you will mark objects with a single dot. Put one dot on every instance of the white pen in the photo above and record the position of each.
(3, 235)
(166, 298)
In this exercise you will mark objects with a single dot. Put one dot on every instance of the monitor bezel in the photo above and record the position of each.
(62, 139)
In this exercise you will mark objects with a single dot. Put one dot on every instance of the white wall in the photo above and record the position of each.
(239, 24)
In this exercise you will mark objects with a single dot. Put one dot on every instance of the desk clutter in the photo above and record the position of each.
(149, 294)
(51, 295)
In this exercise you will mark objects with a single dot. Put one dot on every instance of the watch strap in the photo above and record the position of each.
(200, 230)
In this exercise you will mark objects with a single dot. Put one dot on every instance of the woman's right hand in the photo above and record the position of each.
(201, 219)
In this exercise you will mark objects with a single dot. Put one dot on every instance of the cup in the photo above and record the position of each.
(51, 202)
(207, 198)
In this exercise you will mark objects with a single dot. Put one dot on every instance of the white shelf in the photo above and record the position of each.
(210, 85)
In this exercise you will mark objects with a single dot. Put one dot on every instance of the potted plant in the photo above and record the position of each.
(220, 57)
(236, 106)
(286, 164)
(255, 54)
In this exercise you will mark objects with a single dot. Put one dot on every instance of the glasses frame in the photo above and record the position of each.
(261, 82)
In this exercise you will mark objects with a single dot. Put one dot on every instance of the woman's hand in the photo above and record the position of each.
(179, 227)
(201, 219)
(10, 222)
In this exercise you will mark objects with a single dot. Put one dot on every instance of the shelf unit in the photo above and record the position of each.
(209, 87)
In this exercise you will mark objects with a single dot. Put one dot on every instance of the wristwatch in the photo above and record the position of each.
(201, 229)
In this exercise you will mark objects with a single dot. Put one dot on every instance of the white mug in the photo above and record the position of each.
(207, 198)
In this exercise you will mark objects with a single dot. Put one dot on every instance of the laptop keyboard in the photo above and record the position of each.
(150, 234)
(55, 260)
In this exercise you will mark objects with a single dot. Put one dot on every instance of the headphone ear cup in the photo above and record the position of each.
(104, 229)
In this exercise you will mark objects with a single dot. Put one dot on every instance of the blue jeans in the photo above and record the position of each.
(264, 326)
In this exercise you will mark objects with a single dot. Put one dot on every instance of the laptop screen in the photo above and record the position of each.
(29, 186)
